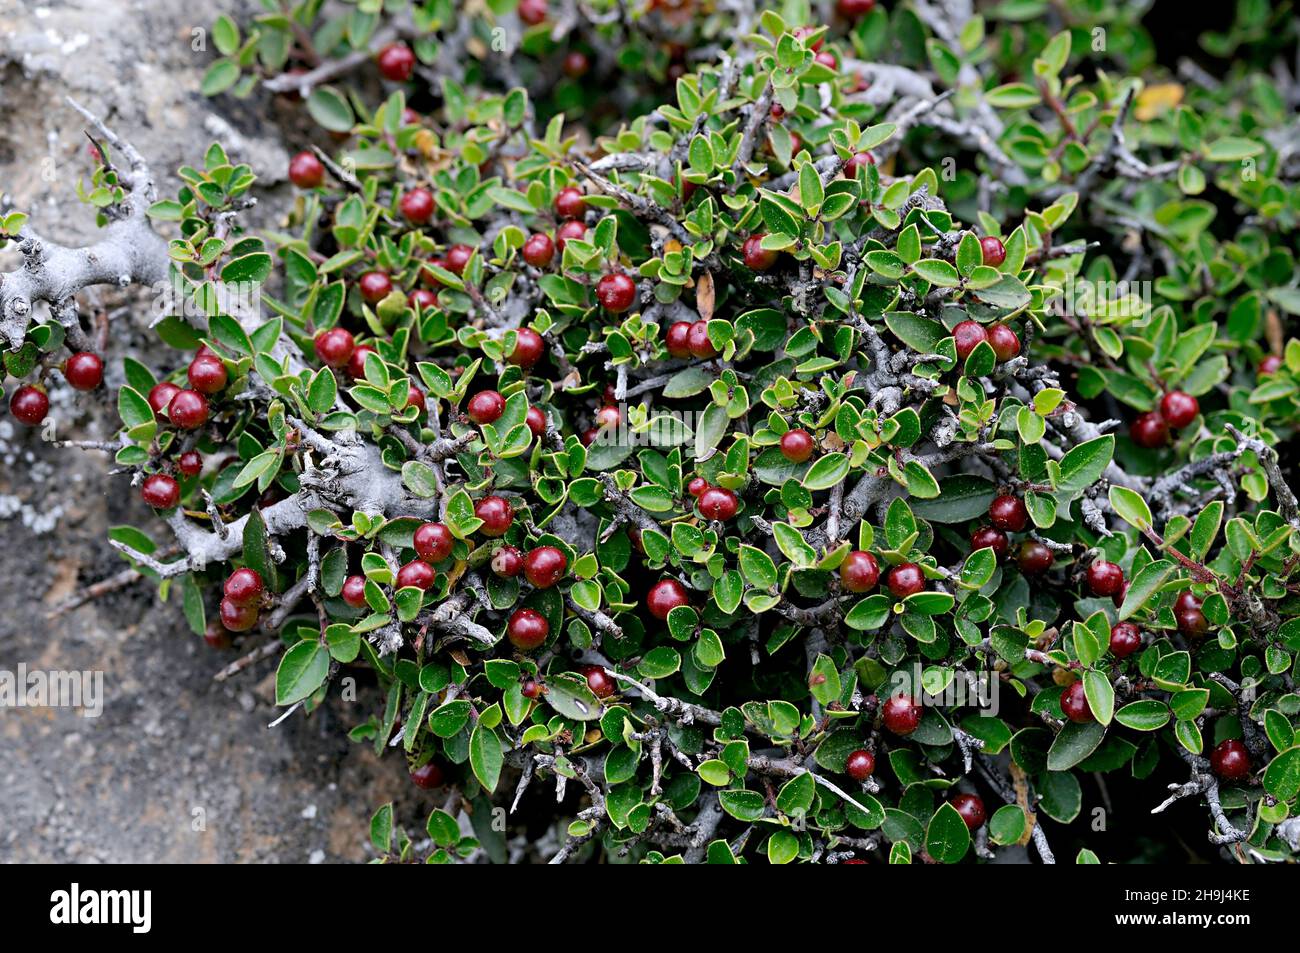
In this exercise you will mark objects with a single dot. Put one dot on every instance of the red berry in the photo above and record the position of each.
(532, 12)
(244, 586)
(803, 32)
(458, 257)
(859, 160)
(968, 336)
(188, 410)
(718, 503)
(536, 421)
(1125, 639)
(415, 398)
(1192, 623)
(971, 809)
(84, 370)
(570, 203)
(539, 250)
(422, 299)
(758, 258)
(989, 537)
(528, 348)
(697, 486)
(827, 58)
(1230, 760)
(410, 117)
(427, 776)
(1009, 513)
(496, 513)
(601, 685)
(616, 292)
(1034, 558)
(207, 375)
(1270, 365)
(677, 340)
(160, 491)
(216, 635)
(486, 407)
(1074, 703)
(29, 405)
(306, 171)
(527, 629)
(417, 206)
(995, 253)
(589, 436)
(901, 714)
(796, 445)
(161, 394)
(570, 229)
(859, 572)
(507, 562)
(530, 689)
(335, 346)
(777, 112)
(354, 591)
(357, 362)
(545, 566)
(905, 580)
(576, 63)
(427, 276)
(665, 596)
(190, 463)
(1186, 601)
(860, 764)
(396, 62)
(1004, 341)
(698, 341)
(237, 618)
(1105, 578)
(417, 574)
(375, 286)
(1179, 408)
(1149, 431)
(853, 9)
(607, 418)
(432, 542)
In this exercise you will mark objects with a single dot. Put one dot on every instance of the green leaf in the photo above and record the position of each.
(1130, 507)
(1100, 695)
(1282, 777)
(303, 669)
(947, 838)
(1074, 743)
(330, 109)
(1151, 577)
(827, 471)
(1084, 464)
(1145, 715)
(485, 756)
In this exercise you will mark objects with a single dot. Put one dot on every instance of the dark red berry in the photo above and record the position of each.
(357, 363)
(1178, 408)
(1186, 601)
(1034, 558)
(427, 275)
(1125, 639)
(854, 9)
(375, 286)
(458, 257)
(1009, 513)
(427, 776)
(188, 410)
(1270, 365)
(905, 580)
(545, 566)
(84, 370)
(589, 436)
(697, 486)
(410, 117)
(539, 250)
(1004, 341)
(860, 764)
(777, 112)
(396, 62)
(1074, 703)
(432, 542)
(507, 562)
(532, 12)
(796, 445)
(161, 394)
(570, 229)
(718, 503)
(758, 258)
(160, 491)
(422, 299)
(1230, 760)
(190, 463)
(901, 714)
(665, 596)
(698, 341)
(859, 572)
(677, 340)
(486, 407)
(496, 513)
(1149, 431)
(575, 64)
(616, 292)
(306, 171)
(244, 586)
(207, 375)
(415, 398)
(529, 347)
(990, 537)
(536, 421)
(971, 809)
(335, 346)
(1192, 623)
(530, 689)
(417, 574)
(803, 32)
(29, 405)
(237, 618)
(827, 58)
(968, 335)
(417, 206)
(995, 253)
(1104, 578)
(600, 683)
(354, 591)
(216, 635)
(527, 629)
(570, 203)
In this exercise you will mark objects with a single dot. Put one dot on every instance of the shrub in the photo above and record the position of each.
(932, 383)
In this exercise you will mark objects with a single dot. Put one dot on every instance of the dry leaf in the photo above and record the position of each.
(704, 296)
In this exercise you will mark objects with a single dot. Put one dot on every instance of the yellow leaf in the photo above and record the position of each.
(1157, 100)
